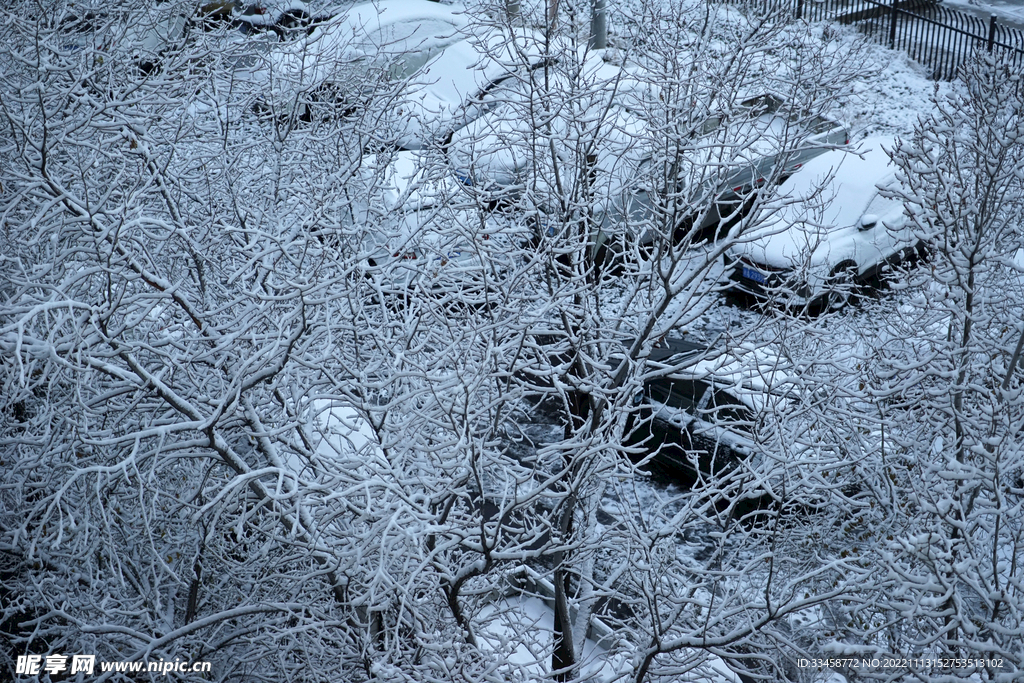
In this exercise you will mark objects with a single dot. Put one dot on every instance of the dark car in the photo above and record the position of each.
(697, 411)
(277, 16)
(698, 408)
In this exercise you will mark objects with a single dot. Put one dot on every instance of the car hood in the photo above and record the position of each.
(749, 372)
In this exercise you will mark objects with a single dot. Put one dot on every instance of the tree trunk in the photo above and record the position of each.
(563, 658)
(552, 16)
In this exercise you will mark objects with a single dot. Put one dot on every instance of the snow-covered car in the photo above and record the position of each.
(777, 140)
(712, 396)
(332, 64)
(277, 16)
(772, 125)
(826, 241)
(462, 82)
(501, 145)
(694, 397)
(139, 39)
(417, 233)
(437, 251)
(588, 103)
(498, 149)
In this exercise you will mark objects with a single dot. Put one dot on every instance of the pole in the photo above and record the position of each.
(599, 26)
(892, 26)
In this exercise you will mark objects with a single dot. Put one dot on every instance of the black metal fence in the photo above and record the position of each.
(938, 37)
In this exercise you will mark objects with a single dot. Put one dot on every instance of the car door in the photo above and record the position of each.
(684, 398)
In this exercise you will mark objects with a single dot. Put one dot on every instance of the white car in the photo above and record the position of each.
(462, 82)
(418, 234)
(583, 104)
(504, 143)
(141, 40)
(334, 61)
(834, 232)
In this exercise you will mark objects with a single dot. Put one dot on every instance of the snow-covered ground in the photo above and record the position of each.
(1009, 12)
(891, 102)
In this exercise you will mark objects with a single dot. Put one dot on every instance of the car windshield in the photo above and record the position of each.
(465, 69)
(724, 408)
(675, 347)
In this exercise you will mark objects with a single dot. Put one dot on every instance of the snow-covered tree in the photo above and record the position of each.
(619, 169)
(190, 467)
(948, 385)
(239, 427)
(919, 390)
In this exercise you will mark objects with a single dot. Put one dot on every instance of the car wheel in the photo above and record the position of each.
(922, 251)
(841, 286)
(609, 258)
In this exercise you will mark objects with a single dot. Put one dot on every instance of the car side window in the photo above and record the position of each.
(679, 393)
(726, 408)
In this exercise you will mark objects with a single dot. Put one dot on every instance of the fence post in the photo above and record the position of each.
(892, 26)
(991, 32)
